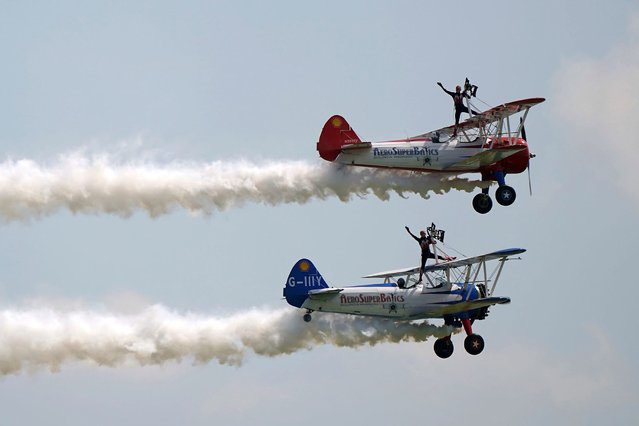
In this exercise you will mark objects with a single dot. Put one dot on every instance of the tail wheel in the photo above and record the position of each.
(482, 203)
(444, 347)
(474, 344)
(505, 195)
(307, 317)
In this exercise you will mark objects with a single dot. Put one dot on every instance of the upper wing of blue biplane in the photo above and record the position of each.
(500, 254)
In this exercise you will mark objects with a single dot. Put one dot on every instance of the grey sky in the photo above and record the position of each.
(198, 82)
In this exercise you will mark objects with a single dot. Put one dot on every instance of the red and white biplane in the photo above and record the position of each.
(486, 143)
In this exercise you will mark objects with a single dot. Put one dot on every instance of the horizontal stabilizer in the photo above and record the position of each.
(356, 146)
(324, 293)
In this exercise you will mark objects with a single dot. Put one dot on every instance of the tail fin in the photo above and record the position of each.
(335, 134)
(303, 277)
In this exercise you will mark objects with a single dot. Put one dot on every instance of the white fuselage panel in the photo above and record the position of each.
(393, 302)
(411, 155)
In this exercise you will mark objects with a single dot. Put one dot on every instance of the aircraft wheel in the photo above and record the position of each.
(482, 203)
(505, 195)
(307, 317)
(474, 344)
(444, 347)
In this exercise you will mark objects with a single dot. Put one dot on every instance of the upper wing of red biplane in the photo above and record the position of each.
(484, 118)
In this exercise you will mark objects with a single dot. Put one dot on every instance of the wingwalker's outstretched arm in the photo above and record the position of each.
(411, 234)
(444, 89)
(468, 91)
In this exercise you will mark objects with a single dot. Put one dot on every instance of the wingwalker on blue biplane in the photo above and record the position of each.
(459, 291)
(486, 143)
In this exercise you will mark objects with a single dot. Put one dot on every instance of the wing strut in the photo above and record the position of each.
(521, 130)
(477, 273)
(501, 266)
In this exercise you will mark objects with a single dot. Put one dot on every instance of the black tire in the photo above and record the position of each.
(474, 344)
(482, 203)
(307, 317)
(444, 347)
(505, 195)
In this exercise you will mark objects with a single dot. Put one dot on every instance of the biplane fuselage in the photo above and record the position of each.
(486, 143)
(507, 154)
(387, 300)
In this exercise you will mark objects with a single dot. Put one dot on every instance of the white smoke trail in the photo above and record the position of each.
(44, 338)
(100, 184)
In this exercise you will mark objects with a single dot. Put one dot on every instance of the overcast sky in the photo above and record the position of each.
(180, 88)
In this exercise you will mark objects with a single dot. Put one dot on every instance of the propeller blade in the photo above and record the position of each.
(523, 135)
(529, 180)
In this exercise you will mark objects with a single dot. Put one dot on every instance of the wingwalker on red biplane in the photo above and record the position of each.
(458, 291)
(486, 143)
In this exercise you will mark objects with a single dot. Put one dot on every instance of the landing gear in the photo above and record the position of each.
(482, 203)
(505, 195)
(444, 347)
(307, 316)
(474, 344)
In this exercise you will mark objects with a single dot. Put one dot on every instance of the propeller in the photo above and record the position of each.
(529, 181)
(523, 135)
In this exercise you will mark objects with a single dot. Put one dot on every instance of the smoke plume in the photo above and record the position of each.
(44, 338)
(100, 184)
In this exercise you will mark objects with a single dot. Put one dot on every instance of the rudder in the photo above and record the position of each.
(303, 278)
(335, 134)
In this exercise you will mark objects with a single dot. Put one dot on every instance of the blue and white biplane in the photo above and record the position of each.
(458, 291)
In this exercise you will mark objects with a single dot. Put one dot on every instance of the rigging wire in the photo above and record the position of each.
(485, 103)
(448, 247)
